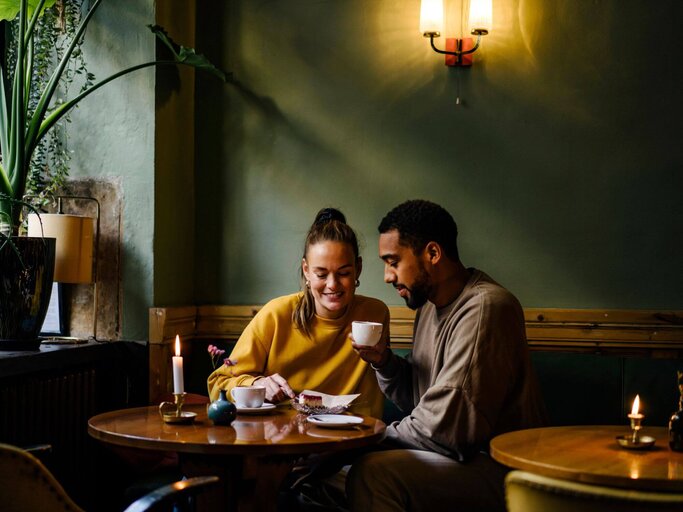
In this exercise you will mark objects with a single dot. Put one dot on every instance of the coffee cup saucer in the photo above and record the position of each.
(264, 409)
(334, 420)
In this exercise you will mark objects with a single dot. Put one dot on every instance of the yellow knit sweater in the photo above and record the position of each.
(324, 362)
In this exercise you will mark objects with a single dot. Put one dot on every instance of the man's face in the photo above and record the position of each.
(404, 270)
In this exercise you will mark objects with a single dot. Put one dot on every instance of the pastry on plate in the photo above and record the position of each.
(310, 400)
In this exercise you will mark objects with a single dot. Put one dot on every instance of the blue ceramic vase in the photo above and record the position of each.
(222, 411)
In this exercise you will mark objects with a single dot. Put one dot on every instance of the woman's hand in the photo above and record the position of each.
(377, 355)
(277, 388)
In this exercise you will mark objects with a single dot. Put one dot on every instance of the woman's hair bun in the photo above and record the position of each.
(329, 214)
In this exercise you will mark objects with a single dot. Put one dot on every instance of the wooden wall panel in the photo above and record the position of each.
(657, 333)
(637, 332)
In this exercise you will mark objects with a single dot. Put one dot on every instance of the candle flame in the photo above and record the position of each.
(636, 405)
(177, 345)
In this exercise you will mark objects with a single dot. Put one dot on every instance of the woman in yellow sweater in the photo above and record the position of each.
(301, 341)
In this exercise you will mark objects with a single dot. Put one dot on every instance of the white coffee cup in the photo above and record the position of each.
(366, 333)
(248, 396)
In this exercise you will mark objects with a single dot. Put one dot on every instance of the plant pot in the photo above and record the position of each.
(25, 288)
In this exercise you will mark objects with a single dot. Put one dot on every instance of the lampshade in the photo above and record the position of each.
(481, 15)
(74, 250)
(431, 16)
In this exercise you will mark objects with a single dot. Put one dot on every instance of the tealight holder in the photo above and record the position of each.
(172, 412)
(634, 441)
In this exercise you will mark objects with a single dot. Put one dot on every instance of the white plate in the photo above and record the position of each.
(264, 409)
(334, 420)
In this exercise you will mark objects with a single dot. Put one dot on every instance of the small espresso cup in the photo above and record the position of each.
(366, 333)
(248, 396)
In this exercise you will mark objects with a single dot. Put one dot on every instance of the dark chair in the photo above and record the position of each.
(27, 485)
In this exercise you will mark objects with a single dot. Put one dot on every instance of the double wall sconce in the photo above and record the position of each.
(458, 52)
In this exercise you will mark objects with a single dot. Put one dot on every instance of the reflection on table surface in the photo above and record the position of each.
(281, 430)
(591, 454)
(252, 456)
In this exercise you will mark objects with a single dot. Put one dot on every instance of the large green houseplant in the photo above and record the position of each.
(22, 128)
(23, 125)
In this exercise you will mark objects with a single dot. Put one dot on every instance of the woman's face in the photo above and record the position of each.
(331, 269)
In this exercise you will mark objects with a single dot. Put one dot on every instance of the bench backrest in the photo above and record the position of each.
(590, 363)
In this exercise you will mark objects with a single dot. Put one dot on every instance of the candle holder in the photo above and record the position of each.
(634, 441)
(635, 427)
(171, 412)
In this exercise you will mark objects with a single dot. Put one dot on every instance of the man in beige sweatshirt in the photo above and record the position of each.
(468, 378)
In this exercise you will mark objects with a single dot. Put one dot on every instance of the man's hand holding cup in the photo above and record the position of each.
(366, 339)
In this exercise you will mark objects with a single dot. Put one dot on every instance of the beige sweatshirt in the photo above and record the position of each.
(469, 377)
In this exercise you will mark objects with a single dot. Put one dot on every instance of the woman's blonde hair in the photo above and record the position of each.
(329, 226)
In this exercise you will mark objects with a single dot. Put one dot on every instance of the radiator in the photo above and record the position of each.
(52, 410)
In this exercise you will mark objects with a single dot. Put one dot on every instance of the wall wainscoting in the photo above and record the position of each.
(655, 334)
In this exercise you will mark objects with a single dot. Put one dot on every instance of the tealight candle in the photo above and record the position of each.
(635, 418)
(178, 383)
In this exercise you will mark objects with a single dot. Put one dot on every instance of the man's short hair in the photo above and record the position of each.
(419, 222)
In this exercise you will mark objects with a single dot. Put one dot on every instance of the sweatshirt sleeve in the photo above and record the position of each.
(396, 382)
(396, 379)
(250, 352)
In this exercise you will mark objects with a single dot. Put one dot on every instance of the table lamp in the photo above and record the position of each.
(77, 242)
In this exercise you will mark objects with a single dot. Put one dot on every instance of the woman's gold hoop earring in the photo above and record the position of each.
(357, 283)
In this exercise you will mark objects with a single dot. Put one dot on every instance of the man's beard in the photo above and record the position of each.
(419, 291)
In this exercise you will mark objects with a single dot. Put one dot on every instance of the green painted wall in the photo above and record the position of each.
(562, 164)
(112, 137)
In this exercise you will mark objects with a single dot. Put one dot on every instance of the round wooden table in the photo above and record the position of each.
(252, 455)
(591, 454)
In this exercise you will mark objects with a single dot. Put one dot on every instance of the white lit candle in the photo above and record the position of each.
(178, 383)
(635, 418)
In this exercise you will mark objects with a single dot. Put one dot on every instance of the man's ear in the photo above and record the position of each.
(433, 252)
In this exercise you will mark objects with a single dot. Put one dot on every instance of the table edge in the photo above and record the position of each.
(643, 484)
(331, 445)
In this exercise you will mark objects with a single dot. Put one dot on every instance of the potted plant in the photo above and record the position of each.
(50, 163)
(25, 264)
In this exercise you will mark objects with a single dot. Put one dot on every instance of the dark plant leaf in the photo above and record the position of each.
(187, 55)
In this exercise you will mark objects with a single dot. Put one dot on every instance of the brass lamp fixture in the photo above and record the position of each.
(458, 52)
(77, 242)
